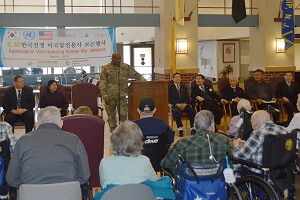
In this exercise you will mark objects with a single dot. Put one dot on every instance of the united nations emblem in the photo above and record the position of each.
(29, 35)
(288, 144)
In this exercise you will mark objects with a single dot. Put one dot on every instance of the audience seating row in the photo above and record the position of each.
(224, 83)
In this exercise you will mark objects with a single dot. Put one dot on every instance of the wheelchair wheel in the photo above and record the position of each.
(254, 187)
(233, 193)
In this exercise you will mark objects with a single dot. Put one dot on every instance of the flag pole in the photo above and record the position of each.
(173, 47)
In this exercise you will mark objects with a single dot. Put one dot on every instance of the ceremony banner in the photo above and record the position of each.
(56, 48)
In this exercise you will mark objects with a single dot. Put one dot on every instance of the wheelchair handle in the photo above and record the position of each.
(190, 168)
(224, 134)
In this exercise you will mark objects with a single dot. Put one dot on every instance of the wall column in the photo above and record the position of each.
(187, 64)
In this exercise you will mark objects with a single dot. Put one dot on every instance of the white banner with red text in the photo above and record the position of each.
(56, 48)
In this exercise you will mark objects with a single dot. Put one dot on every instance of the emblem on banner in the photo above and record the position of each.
(29, 35)
(12, 35)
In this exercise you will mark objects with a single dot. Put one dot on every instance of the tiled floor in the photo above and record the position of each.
(20, 131)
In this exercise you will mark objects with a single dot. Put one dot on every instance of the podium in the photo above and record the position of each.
(157, 90)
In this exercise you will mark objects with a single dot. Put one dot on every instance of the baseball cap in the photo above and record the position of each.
(83, 71)
(146, 104)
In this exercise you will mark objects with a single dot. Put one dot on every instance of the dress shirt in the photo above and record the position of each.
(202, 88)
(177, 85)
(17, 92)
(198, 149)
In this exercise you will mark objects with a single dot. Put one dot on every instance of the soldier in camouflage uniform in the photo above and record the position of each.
(114, 86)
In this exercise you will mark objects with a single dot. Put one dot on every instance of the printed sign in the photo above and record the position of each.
(56, 48)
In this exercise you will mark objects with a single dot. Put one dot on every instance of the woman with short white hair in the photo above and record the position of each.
(235, 124)
(126, 165)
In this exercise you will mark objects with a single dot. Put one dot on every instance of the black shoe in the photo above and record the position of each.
(193, 132)
(180, 133)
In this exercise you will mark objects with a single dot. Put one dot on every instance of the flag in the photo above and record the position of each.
(12, 35)
(45, 35)
(173, 48)
(180, 12)
(238, 10)
(287, 31)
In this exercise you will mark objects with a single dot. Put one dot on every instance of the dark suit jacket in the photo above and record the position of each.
(9, 101)
(174, 97)
(229, 93)
(252, 90)
(283, 91)
(196, 91)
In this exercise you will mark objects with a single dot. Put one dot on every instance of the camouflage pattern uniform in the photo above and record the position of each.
(109, 85)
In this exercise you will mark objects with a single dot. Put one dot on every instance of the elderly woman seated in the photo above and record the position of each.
(54, 98)
(236, 121)
(126, 165)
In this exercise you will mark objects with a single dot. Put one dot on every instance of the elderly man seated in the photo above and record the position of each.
(196, 149)
(252, 149)
(157, 135)
(208, 98)
(233, 93)
(49, 155)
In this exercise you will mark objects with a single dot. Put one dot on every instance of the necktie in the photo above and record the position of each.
(178, 88)
(19, 99)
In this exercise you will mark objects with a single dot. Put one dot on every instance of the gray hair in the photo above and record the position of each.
(243, 103)
(127, 139)
(203, 120)
(147, 113)
(49, 114)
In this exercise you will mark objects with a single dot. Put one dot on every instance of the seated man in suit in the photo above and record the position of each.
(234, 94)
(157, 134)
(18, 103)
(180, 99)
(205, 95)
(260, 91)
(288, 90)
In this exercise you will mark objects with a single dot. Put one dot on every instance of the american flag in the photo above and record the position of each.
(46, 35)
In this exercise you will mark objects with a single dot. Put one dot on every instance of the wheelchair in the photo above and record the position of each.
(279, 153)
(202, 181)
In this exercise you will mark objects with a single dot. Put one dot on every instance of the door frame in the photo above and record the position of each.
(132, 46)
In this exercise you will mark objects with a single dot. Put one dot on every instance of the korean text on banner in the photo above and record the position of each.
(56, 48)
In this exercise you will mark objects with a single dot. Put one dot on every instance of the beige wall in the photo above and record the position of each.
(297, 57)
(163, 37)
(218, 33)
(263, 40)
